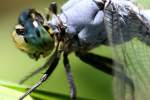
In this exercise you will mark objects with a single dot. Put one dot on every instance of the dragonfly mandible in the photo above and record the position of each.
(119, 21)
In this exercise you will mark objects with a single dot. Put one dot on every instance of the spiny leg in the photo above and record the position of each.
(45, 65)
(106, 65)
(69, 77)
(35, 72)
(55, 59)
(98, 62)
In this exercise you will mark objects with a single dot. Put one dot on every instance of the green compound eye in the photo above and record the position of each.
(31, 36)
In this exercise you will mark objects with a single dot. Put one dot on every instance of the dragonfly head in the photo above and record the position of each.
(32, 36)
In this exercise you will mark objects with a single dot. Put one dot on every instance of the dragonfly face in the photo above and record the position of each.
(31, 36)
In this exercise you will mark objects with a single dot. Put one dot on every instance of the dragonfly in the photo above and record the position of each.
(126, 29)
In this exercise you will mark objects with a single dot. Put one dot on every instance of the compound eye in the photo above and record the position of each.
(19, 30)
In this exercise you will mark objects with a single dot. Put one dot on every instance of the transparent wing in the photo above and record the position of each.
(128, 32)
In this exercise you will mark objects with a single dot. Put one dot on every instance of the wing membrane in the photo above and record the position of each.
(128, 33)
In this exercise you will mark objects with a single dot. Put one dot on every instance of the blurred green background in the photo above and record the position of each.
(14, 65)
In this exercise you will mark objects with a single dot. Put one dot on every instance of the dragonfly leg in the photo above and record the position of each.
(106, 65)
(55, 59)
(101, 63)
(34, 72)
(46, 64)
(69, 77)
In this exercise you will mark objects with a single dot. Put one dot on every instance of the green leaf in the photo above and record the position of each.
(11, 94)
(12, 91)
